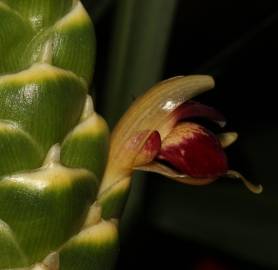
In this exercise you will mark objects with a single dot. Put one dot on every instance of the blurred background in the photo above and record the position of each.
(167, 225)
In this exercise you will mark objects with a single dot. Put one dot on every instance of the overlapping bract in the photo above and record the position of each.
(53, 146)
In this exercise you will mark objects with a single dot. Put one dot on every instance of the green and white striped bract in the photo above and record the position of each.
(53, 145)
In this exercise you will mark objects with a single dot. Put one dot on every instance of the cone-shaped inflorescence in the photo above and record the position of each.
(53, 146)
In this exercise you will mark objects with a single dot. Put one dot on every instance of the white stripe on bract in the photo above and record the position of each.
(36, 72)
(88, 109)
(77, 15)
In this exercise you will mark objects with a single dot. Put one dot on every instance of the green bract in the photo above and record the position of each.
(53, 146)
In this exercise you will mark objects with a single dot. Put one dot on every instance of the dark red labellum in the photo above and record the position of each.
(195, 151)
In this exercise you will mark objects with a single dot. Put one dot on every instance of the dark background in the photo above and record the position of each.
(220, 226)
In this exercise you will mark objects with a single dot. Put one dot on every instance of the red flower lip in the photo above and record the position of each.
(191, 148)
(195, 151)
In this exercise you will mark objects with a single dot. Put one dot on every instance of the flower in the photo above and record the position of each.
(157, 135)
(186, 146)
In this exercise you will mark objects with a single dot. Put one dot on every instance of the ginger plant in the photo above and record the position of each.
(59, 202)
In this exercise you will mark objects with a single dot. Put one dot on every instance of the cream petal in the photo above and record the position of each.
(227, 138)
(159, 168)
(257, 189)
